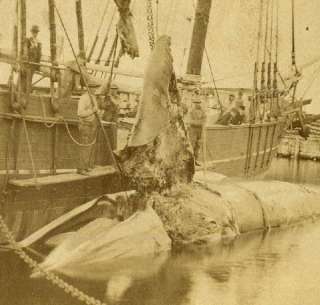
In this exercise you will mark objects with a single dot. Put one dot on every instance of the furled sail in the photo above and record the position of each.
(126, 32)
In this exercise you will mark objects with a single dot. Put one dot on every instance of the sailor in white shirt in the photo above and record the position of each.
(87, 130)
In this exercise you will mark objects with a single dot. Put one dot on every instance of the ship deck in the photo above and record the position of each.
(63, 178)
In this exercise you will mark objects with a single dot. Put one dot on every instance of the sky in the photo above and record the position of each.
(231, 39)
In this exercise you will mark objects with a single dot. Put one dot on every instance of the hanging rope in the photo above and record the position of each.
(75, 141)
(30, 151)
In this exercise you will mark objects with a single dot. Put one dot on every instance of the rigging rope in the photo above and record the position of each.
(277, 30)
(105, 40)
(259, 32)
(314, 77)
(98, 30)
(255, 104)
(271, 31)
(266, 30)
(213, 80)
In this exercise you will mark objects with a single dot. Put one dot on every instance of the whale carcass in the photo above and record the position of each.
(158, 162)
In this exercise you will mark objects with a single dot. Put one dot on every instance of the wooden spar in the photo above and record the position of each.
(23, 25)
(55, 73)
(199, 34)
(293, 55)
(53, 33)
(80, 28)
(23, 37)
(15, 45)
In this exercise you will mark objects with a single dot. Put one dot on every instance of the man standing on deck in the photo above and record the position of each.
(111, 105)
(34, 48)
(32, 53)
(87, 130)
(196, 124)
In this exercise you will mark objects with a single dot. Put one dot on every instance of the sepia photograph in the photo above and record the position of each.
(159, 152)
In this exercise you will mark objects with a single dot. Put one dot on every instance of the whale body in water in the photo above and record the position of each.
(181, 208)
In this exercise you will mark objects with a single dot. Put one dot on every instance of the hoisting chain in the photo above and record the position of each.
(150, 24)
(52, 278)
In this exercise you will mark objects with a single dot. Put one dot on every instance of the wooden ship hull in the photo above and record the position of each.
(38, 162)
(295, 146)
(227, 149)
(243, 150)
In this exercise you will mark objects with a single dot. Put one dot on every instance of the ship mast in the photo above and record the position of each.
(198, 40)
(80, 29)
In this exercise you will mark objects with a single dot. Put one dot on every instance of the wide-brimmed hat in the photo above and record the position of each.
(35, 29)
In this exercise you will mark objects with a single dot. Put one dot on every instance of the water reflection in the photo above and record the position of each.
(280, 267)
(298, 171)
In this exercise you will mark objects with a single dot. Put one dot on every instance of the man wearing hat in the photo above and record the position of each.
(111, 105)
(196, 123)
(34, 47)
(32, 54)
